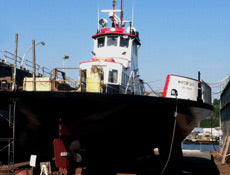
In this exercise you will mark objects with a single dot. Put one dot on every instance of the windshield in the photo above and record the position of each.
(112, 41)
(100, 42)
(124, 42)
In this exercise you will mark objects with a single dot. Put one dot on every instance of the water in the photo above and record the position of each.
(201, 147)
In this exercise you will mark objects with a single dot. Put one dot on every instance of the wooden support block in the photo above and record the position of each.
(225, 150)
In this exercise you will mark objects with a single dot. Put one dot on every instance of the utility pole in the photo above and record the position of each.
(34, 66)
(14, 85)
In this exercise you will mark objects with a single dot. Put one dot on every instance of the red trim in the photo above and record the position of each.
(96, 59)
(106, 60)
(107, 31)
(122, 59)
(166, 86)
(111, 60)
(113, 33)
(88, 61)
(118, 31)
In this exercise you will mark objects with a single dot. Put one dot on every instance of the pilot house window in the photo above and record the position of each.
(112, 41)
(124, 42)
(100, 42)
(113, 76)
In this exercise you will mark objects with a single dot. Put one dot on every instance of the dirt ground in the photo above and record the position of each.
(224, 169)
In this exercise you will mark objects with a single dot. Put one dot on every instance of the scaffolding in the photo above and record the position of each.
(11, 138)
(11, 145)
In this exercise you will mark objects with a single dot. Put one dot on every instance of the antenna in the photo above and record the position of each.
(121, 13)
(114, 8)
(132, 13)
(98, 17)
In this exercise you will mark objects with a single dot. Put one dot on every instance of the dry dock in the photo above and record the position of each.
(199, 162)
(195, 162)
(223, 168)
(204, 162)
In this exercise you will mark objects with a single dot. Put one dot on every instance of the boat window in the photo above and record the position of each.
(113, 76)
(112, 41)
(100, 42)
(124, 42)
(83, 80)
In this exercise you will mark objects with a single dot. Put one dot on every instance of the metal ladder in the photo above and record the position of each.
(11, 145)
(11, 139)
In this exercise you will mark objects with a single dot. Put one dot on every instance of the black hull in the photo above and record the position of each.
(117, 127)
(6, 70)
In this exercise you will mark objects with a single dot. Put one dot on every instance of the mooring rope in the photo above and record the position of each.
(172, 141)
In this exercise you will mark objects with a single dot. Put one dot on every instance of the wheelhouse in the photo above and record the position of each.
(114, 67)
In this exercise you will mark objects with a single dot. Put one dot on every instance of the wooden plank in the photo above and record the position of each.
(17, 165)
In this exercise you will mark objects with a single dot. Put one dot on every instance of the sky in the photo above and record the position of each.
(178, 36)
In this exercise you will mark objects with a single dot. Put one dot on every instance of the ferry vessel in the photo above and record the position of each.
(107, 124)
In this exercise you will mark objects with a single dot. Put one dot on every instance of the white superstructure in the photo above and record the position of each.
(114, 67)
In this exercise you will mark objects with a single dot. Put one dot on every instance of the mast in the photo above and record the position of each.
(121, 13)
(114, 8)
(98, 17)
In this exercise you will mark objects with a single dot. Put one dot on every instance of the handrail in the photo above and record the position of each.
(8, 58)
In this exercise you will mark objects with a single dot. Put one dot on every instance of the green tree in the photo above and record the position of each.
(213, 121)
